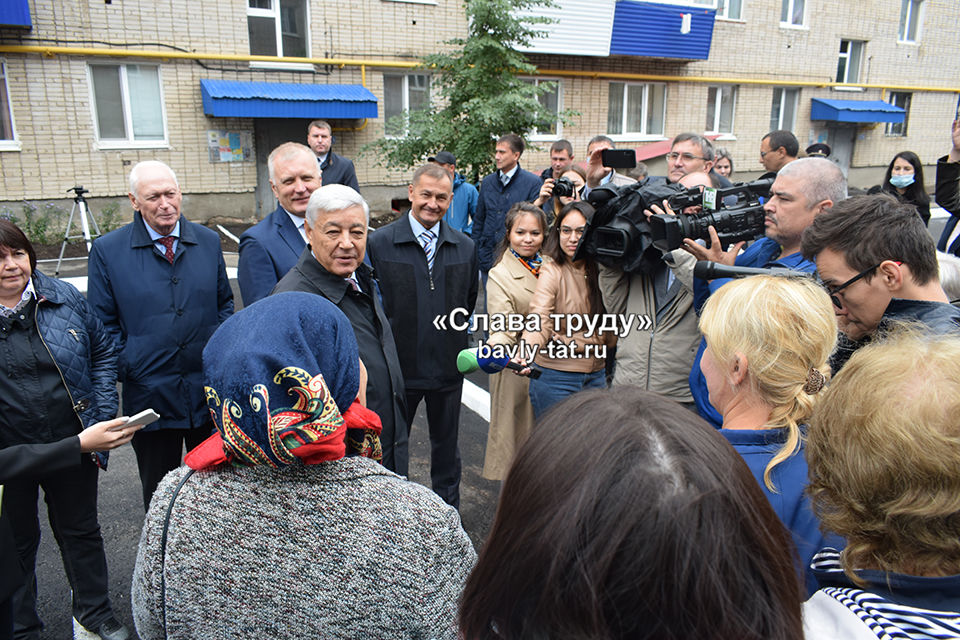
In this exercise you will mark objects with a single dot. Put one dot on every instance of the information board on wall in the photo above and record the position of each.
(230, 146)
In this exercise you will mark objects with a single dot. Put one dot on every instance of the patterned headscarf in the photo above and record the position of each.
(281, 382)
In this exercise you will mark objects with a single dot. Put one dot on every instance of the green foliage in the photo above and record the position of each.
(35, 225)
(478, 92)
(109, 217)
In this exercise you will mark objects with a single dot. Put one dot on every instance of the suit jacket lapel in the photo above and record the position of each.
(288, 232)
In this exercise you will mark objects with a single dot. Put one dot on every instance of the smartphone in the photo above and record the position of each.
(618, 158)
(142, 419)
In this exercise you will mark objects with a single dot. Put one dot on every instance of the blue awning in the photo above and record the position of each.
(657, 30)
(226, 99)
(15, 13)
(855, 111)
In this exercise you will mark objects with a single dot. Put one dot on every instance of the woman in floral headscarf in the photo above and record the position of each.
(282, 526)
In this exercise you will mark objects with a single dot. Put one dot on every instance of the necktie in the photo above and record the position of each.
(504, 178)
(426, 240)
(167, 242)
(353, 284)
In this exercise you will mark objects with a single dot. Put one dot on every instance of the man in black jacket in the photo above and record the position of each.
(428, 270)
(879, 265)
(332, 266)
(336, 169)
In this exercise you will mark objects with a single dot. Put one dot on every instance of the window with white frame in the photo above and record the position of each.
(403, 93)
(783, 111)
(550, 101)
(7, 134)
(900, 99)
(278, 28)
(720, 104)
(128, 104)
(848, 64)
(791, 12)
(910, 13)
(730, 9)
(636, 109)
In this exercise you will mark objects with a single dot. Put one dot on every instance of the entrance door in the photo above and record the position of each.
(841, 139)
(268, 134)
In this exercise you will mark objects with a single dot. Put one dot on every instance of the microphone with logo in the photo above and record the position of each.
(469, 361)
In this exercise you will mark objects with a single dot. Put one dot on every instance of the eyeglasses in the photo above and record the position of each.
(763, 154)
(687, 157)
(833, 291)
(566, 231)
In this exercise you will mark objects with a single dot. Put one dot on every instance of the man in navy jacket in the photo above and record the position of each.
(336, 169)
(160, 286)
(499, 191)
(270, 248)
(427, 269)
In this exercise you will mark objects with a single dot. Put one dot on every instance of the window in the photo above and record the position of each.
(402, 94)
(636, 109)
(128, 104)
(720, 103)
(277, 28)
(901, 100)
(730, 9)
(783, 112)
(910, 14)
(8, 139)
(551, 101)
(848, 64)
(791, 13)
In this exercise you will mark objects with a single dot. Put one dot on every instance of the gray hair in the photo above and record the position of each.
(148, 164)
(331, 198)
(949, 274)
(820, 179)
(286, 151)
(706, 147)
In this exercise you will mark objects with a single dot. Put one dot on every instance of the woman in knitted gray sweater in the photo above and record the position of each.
(288, 529)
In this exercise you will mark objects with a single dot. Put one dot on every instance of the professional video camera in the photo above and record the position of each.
(619, 234)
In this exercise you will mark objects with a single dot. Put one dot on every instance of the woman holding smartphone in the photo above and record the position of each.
(567, 295)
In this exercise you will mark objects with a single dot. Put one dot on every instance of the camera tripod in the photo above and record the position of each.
(86, 221)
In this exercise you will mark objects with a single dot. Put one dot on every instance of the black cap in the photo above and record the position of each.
(444, 157)
(818, 150)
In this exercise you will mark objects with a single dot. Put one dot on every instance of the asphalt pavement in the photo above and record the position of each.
(121, 509)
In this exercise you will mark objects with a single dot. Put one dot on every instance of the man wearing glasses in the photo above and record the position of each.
(692, 153)
(802, 191)
(778, 149)
(879, 264)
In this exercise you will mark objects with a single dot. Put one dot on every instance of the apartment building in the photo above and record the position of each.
(90, 87)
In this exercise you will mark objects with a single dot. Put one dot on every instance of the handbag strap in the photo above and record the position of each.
(163, 552)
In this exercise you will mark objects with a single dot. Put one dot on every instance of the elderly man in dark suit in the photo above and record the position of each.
(271, 247)
(332, 266)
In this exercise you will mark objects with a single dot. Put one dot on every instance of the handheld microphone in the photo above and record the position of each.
(711, 270)
(468, 361)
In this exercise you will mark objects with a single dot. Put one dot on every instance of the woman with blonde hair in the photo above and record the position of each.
(764, 370)
(513, 280)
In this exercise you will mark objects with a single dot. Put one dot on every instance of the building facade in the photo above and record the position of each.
(90, 87)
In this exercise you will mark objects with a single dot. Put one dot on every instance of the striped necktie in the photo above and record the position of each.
(426, 240)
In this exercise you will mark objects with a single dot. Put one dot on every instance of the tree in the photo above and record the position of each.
(481, 94)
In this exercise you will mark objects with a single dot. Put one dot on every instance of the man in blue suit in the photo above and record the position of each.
(272, 247)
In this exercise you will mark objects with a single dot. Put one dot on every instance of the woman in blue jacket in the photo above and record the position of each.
(764, 370)
(59, 375)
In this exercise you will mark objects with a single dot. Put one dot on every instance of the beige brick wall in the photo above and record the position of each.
(54, 120)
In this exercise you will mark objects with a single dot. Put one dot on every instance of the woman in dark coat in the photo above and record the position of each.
(904, 180)
(59, 376)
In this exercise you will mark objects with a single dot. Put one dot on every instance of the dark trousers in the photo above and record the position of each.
(159, 452)
(71, 497)
(443, 421)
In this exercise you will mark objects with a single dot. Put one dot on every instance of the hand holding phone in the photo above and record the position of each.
(142, 419)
